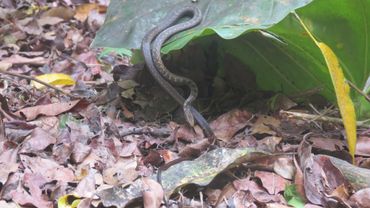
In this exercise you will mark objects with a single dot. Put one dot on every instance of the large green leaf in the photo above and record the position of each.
(291, 65)
(344, 26)
(128, 21)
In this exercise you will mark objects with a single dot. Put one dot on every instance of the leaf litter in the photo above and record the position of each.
(105, 147)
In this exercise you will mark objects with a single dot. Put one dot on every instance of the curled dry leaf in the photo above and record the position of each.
(48, 168)
(123, 172)
(34, 195)
(5, 204)
(39, 140)
(284, 167)
(263, 125)
(17, 59)
(363, 146)
(361, 198)
(272, 182)
(83, 10)
(86, 187)
(152, 193)
(64, 13)
(228, 124)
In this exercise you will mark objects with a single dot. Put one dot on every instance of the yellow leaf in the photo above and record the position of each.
(68, 201)
(342, 91)
(53, 79)
(82, 11)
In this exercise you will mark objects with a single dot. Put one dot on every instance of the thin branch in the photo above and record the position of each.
(358, 90)
(321, 118)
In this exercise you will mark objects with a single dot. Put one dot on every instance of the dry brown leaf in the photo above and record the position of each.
(54, 109)
(361, 198)
(152, 193)
(263, 125)
(83, 10)
(272, 182)
(65, 13)
(86, 187)
(363, 146)
(228, 124)
(33, 182)
(17, 59)
(39, 140)
(48, 168)
(124, 171)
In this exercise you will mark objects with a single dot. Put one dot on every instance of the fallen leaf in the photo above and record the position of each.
(64, 13)
(83, 10)
(6, 168)
(152, 193)
(228, 124)
(86, 187)
(122, 172)
(17, 59)
(34, 195)
(272, 182)
(39, 140)
(361, 198)
(69, 201)
(53, 79)
(284, 167)
(48, 168)
(54, 109)
(263, 125)
(363, 146)
(4, 204)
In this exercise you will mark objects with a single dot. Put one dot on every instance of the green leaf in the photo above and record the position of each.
(283, 56)
(344, 27)
(118, 51)
(128, 21)
(292, 197)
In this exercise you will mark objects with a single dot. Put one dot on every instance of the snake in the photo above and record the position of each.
(146, 48)
(154, 68)
(173, 78)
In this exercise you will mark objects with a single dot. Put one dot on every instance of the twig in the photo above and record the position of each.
(2, 129)
(321, 118)
(37, 80)
(160, 132)
(358, 90)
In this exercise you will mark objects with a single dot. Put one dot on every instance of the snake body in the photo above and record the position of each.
(173, 78)
(146, 48)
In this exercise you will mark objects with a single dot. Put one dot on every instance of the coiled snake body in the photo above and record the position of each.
(173, 78)
(154, 63)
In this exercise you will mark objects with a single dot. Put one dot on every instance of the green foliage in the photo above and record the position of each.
(118, 51)
(128, 21)
(264, 37)
(292, 197)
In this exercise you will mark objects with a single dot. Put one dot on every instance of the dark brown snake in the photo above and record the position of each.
(173, 78)
(153, 67)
